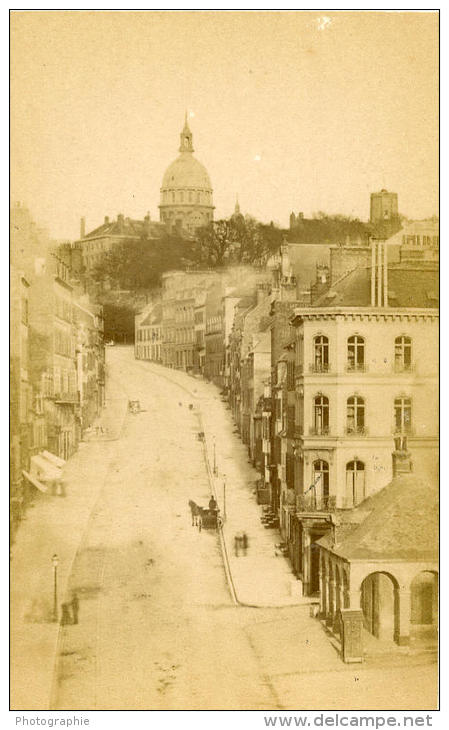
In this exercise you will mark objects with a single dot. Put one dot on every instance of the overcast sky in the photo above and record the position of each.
(292, 111)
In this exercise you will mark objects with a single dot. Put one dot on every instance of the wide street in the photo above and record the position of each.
(158, 628)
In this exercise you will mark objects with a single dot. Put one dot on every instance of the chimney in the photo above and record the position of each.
(82, 227)
(379, 274)
(120, 221)
(106, 220)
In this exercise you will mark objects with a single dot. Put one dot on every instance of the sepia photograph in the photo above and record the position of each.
(224, 363)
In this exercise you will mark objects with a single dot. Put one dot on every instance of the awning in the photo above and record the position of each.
(35, 482)
(53, 459)
(43, 470)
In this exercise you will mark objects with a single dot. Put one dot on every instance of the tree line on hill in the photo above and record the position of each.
(137, 265)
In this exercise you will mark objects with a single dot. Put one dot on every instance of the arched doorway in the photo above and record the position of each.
(424, 604)
(380, 605)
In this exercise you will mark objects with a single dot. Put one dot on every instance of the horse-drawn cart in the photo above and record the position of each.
(203, 517)
(209, 519)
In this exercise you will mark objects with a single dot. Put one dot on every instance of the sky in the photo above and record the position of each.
(292, 111)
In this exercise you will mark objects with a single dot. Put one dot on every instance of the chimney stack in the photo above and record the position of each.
(82, 227)
(106, 220)
(120, 221)
(379, 273)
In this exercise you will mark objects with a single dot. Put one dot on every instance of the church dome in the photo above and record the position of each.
(186, 172)
(186, 191)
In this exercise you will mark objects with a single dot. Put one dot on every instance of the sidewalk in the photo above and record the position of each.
(54, 525)
(261, 578)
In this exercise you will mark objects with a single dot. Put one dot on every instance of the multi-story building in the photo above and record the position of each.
(54, 362)
(214, 336)
(93, 245)
(181, 290)
(90, 357)
(57, 359)
(148, 337)
(199, 317)
(21, 436)
(366, 373)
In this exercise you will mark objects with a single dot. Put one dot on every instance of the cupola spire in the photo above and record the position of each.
(186, 137)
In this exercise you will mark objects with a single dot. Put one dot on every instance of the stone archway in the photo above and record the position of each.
(380, 605)
(424, 604)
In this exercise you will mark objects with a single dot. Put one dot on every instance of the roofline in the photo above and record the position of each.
(373, 311)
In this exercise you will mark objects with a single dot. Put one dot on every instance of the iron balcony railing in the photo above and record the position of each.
(356, 367)
(317, 503)
(319, 367)
(319, 431)
(356, 431)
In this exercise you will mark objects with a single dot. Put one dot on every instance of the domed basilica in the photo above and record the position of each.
(186, 192)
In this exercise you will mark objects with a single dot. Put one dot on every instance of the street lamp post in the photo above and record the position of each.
(55, 562)
(215, 459)
(224, 496)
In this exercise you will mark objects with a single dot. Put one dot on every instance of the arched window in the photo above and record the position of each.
(355, 414)
(321, 415)
(321, 354)
(355, 482)
(356, 353)
(403, 414)
(320, 490)
(402, 353)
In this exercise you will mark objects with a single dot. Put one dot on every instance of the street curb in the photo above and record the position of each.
(227, 566)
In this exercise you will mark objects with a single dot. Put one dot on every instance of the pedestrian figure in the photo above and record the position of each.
(75, 608)
(212, 503)
(245, 543)
(238, 544)
(65, 614)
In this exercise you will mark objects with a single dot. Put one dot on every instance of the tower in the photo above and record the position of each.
(186, 192)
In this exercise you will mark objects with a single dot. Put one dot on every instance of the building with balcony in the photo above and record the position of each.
(53, 342)
(366, 374)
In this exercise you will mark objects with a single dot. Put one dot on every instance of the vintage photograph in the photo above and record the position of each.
(224, 348)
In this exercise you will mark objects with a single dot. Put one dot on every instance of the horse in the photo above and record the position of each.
(195, 511)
